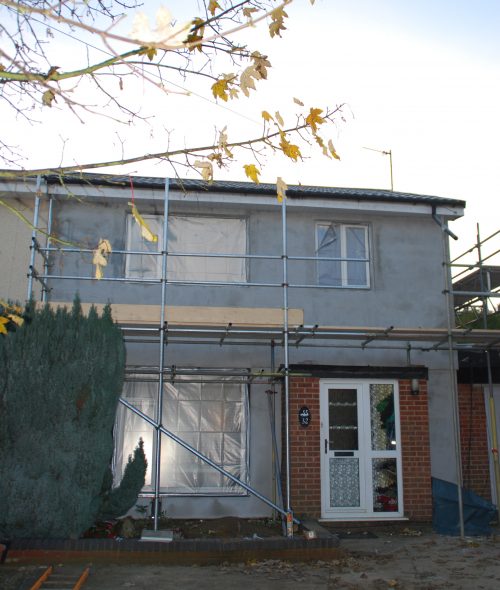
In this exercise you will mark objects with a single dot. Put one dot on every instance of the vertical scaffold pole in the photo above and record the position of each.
(46, 269)
(161, 363)
(289, 531)
(491, 399)
(36, 213)
(453, 379)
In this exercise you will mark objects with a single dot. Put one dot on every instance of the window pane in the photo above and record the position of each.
(385, 485)
(356, 248)
(343, 419)
(344, 483)
(329, 246)
(382, 416)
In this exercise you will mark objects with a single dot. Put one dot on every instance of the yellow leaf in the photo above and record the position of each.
(207, 170)
(279, 118)
(281, 188)
(195, 37)
(252, 172)
(261, 63)
(3, 322)
(100, 258)
(146, 233)
(151, 52)
(332, 150)
(223, 143)
(249, 11)
(247, 79)
(313, 119)
(219, 89)
(47, 97)
(16, 319)
(266, 116)
(299, 102)
(290, 150)
(212, 7)
(277, 25)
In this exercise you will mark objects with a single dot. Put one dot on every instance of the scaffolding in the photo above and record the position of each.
(285, 336)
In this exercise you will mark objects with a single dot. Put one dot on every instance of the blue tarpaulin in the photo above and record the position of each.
(478, 512)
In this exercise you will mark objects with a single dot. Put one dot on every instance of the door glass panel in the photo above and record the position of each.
(383, 422)
(344, 483)
(385, 485)
(343, 419)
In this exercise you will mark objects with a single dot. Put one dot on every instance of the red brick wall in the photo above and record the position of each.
(474, 440)
(305, 450)
(414, 417)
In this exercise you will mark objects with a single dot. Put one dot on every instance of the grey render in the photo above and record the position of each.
(406, 290)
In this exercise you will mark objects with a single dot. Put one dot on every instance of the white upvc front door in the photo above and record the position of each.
(361, 474)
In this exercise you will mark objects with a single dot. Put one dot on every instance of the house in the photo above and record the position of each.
(300, 350)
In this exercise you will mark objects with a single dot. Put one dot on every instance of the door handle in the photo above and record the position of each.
(326, 446)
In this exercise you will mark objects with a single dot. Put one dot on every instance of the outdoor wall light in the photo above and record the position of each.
(415, 387)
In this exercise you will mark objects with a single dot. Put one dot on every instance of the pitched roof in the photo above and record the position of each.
(250, 188)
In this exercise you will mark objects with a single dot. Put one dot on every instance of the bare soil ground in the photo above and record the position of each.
(403, 558)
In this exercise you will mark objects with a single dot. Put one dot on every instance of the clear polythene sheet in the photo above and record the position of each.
(211, 416)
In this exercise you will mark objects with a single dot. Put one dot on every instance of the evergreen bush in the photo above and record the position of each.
(61, 375)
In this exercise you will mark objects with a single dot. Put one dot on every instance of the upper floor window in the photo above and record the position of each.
(195, 236)
(346, 247)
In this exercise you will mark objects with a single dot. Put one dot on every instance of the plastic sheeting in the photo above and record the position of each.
(190, 235)
(478, 512)
(210, 416)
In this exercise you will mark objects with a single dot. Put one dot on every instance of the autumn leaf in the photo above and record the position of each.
(47, 97)
(261, 63)
(100, 258)
(266, 116)
(299, 102)
(146, 233)
(207, 170)
(195, 37)
(277, 25)
(151, 52)
(281, 188)
(247, 79)
(52, 71)
(3, 323)
(332, 150)
(212, 7)
(223, 143)
(314, 119)
(252, 172)
(18, 320)
(249, 11)
(290, 150)
(219, 89)
(279, 119)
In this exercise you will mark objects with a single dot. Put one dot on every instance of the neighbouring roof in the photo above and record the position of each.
(230, 186)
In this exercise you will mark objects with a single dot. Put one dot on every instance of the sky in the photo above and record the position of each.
(421, 79)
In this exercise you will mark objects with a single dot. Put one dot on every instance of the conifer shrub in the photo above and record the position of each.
(61, 375)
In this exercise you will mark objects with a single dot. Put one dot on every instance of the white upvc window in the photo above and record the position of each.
(346, 250)
(193, 236)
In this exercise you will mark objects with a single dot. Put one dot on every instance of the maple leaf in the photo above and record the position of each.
(299, 102)
(266, 116)
(332, 150)
(261, 64)
(314, 119)
(195, 36)
(3, 323)
(247, 79)
(166, 32)
(100, 258)
(249, 11)
(151, 52)
(223, 143)
(279, 119)
(207, 170)
(212, 7)
(47, 97)
(252, 172)
(321, 143)
(277, 25)
(281, 188)
(146, 232)
(219, 89)
(289, 149)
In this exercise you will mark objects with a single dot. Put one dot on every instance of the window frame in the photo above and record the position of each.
(156, 275)
(343, 259)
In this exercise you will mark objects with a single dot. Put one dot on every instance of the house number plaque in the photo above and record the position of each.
(304, 416)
